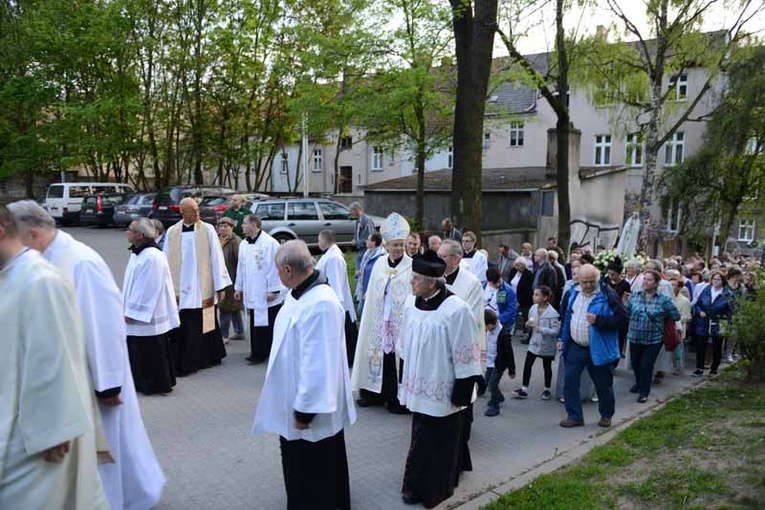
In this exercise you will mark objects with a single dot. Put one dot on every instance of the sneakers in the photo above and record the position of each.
(594, 399)
(698, 372)
(225, 340)
(519, 393)
(491, 411)
(546, 395)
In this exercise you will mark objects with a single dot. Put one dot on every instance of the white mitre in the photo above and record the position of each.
(394, 228)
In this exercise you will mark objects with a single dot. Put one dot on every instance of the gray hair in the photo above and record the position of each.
(355, 205)
(542, 251)
(28, 214)
(552, 255)
(519, 261)
(655, 264)
(672, 273)
(295, 254)
(454, 247)
(145, 227)
(635, 264)
(327, 235)
(158, 226)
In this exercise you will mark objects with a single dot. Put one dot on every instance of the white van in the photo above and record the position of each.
(64, 200)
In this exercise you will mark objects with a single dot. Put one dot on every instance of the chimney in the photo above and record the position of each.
(601, 32)
(574, 142)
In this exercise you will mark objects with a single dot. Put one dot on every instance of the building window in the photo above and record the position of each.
(317, 160)
(377, 158)
(634, 156)
(450, 157)
(680, 84)
(486, 141)
(602, 150)
(516, 134)
(674, 215)
(746, 229)
(346, 142)
(391, 157)
(674, 150)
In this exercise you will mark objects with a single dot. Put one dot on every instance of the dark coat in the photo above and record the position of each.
(549, 277)
(524, 292)
(717, 311)
(231, 257)
(505, 355)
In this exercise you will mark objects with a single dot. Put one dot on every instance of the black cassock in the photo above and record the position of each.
(193, 350)
(151, 363)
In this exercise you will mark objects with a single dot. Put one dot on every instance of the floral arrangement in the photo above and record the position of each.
(604, 258)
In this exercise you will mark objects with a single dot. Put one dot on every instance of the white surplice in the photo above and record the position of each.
(256, 276)
(308, 369)
(477, 264)
(148, 294)
(46, 392)
(135, 480)
(467, 287)
(332, 265)
(191, 284)
(387, 291)
(437, 349)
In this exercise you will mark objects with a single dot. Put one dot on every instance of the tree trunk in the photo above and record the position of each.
(474, 25)
(196, 124)
(563, 126)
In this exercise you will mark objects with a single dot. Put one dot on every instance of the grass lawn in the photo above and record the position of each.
(702, 450)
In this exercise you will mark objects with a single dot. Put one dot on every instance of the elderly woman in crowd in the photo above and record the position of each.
(230, 309)
(374, 252)
(632, 275)
(683, 304)
(522, 281)
(712, 309)
(648, 309)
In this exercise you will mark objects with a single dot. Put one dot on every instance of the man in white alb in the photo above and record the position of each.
(199, 276)
(47, 440)
(150, 311)
(257, 282)
(376, 364)
(135, 478)
(473, 259)
(332, 265)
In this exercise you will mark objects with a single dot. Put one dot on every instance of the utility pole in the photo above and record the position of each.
(306, 172)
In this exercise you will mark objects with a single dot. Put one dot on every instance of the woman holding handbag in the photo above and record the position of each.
(711, 311)
(648, 310)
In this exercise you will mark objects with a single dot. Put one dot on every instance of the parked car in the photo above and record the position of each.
(135, 206)
(304, 218)
(63, 200)
(166, 206)
(220, 204)
(98, 209)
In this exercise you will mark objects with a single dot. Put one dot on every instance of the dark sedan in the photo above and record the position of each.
(98, 209)
(167, 202)
(134, 207)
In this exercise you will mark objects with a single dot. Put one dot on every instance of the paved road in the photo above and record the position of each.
(201, 431)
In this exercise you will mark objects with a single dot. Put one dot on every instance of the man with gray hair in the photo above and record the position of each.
(159, 235)
(306, 397)
(47, 440)
(545, 274)
(150, 311)
(332, 265)
(364, 228)
(136, 475)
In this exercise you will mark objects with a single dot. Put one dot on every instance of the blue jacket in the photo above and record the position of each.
(507, 305)
(718, 311)
(604, 334)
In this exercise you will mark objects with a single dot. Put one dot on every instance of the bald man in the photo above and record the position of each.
(199, 277)
(589, 340)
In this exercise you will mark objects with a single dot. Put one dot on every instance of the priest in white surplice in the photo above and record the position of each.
(473, 259)
(47, 440)
(441, 368)
(150, 311)
(306, 396)
(135, 479)
(376, 364)
(199, 276)
(257, 282)
(332, 265)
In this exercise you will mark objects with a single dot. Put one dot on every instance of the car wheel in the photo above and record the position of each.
(283, 238)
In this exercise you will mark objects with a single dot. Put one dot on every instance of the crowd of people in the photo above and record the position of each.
(430, 330)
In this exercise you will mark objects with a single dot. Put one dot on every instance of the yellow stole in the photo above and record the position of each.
(204, 263)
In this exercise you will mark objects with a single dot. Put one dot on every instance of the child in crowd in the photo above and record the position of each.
(499, 356)
(544, 323)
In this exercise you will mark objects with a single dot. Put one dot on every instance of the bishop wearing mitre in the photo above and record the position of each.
(376, 365)
(199, 273)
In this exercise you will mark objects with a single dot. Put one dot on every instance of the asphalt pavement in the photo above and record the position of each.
(201, 431)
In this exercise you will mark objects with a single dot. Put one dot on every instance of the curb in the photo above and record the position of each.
(564, 458)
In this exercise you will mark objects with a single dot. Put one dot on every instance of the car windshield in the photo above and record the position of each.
(211, 201)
